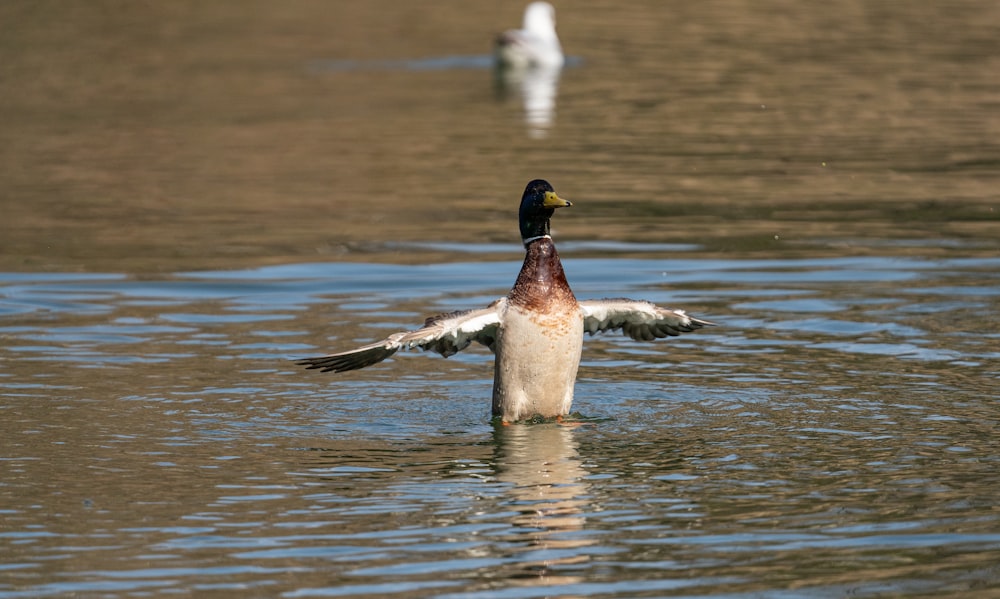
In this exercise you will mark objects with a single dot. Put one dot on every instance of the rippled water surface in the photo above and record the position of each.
(836, 433)
(194, 194)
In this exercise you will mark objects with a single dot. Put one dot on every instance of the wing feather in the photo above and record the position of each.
(639, 319)
(446, 334)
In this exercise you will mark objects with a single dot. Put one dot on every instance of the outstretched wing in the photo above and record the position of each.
(640, 320)
(447, 334)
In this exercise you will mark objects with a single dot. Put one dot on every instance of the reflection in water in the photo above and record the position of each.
(548, 495)
(537, 86)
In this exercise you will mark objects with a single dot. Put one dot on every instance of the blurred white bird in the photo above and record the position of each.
(535, 44)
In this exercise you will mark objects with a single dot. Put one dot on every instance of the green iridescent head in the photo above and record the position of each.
(538, 204)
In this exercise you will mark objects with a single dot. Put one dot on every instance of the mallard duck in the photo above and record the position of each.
(535, 44)
(536, 331)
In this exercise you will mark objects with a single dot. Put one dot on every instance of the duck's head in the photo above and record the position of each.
(538, 204)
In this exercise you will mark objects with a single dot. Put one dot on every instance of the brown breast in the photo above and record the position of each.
(541, 285)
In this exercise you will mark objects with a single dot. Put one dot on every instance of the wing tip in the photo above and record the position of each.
(321, 363)
(701, 322)
(352, 360)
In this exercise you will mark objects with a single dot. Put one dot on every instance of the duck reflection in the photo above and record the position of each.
(548, 495)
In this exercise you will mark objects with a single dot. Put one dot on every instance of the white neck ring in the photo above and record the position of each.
(535, 238)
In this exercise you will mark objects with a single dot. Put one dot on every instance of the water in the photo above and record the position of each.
(194, 195)
(839, 436)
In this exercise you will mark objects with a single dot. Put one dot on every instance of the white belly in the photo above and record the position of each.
(537, 357)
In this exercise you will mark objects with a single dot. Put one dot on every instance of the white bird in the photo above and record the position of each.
(535, 44)
(536, 331)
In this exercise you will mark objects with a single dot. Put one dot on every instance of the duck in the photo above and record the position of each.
(535, 44)
(536, 332)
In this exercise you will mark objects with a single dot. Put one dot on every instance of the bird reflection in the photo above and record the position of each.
(537, 87)
(548, 496)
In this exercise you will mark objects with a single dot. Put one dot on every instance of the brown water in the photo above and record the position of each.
(193, 193)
